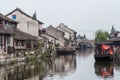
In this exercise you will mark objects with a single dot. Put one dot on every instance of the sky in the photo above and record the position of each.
(84, 16)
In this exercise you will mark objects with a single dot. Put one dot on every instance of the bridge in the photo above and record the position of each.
(79, 41)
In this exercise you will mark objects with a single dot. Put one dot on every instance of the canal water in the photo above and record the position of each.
(81, 66)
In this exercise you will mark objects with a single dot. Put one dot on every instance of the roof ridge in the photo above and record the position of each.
(26, 36)
(18, 9)
(6, 18)
(65, 27)
(55, 28)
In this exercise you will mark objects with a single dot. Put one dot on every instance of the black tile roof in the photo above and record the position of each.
(6, 31)
(6, 18)
(20, 35)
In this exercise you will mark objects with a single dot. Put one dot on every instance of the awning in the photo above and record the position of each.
(105, 47)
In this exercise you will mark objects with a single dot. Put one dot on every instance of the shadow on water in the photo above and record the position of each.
(65, 63)
(104, 69)
(39, 70)
(84, 52)
(117, 66)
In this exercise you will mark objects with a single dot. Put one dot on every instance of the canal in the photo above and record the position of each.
(81, 66)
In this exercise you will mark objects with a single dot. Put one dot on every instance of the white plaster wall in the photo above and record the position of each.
(72, 34)
(118, 35)
(67, 35)
(49, 38)
(61, 42)
(26, 24)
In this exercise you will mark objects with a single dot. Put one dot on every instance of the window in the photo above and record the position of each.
(22, 43)
(7, 25)
(0, 39)
(16, 42)
(8, 39)
(13, 16)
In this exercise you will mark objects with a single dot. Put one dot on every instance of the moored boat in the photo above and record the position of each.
(104, 53)
(103, 57)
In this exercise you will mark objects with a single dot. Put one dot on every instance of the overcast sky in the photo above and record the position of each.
(84, 16)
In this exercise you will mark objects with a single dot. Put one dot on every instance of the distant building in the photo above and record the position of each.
(50, 38)
(55, 34)
(115, 34)
(70, 34)
(27, 23)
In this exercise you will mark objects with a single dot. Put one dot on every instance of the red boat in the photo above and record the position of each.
(104, 53)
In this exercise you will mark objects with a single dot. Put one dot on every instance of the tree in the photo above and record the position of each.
(79, 36)
(113, 29)
(35, 16)
(84, 36)
(101, 36)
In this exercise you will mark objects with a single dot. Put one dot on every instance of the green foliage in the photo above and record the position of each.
(81, 37)
(43, 56)
(35, 16)
(78, 36)
(39, 47)
(113, 29)
(84, 36)
(101, 36)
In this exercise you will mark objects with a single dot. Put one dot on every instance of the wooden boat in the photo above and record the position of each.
(104, 53)
(103, 57)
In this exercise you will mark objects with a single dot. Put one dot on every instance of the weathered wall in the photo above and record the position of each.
(49, 38)
(67, 34)
(118, 35)
(57, 34)
(26, 24)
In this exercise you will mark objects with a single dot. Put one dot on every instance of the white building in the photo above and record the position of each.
(69, 33)
(26, 23)
(6, 33)
(56, 35)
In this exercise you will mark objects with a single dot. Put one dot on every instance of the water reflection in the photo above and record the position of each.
(117, 66)
(39, 70)
(84, 52)
(104, 69)
(81, 66)
(64, 64)
(21, 72)
(61, 66)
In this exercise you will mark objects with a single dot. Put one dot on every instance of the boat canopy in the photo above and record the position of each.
(107, 47)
